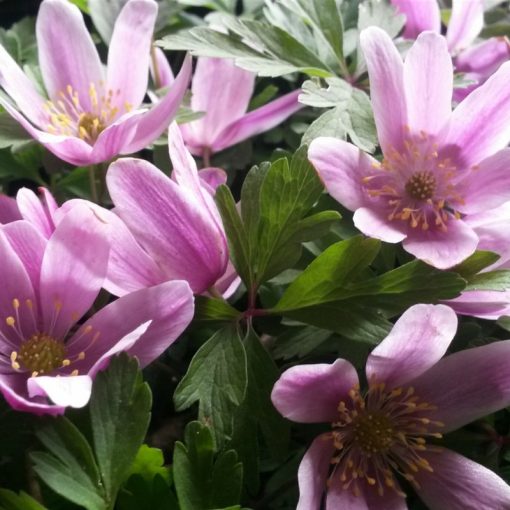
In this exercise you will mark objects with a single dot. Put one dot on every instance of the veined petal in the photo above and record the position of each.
(341, 167)
(162, 74)
(73, 269)
(386, 73)
(369, 499)
(465, 24)
(153, 122)
(9, 210)
(458, 483)
(485, 304)
(375, 223)
(311, 393)
(64, 391)
(34, 212)
(212, 177)
(130, 51)
(484, 59)
(417, 341)
(428, 82)
(460, 399)
(442, 249)
(257, 121)
(480, 125)
(313, 472)
(420, 15)
(67, 55)
(170, 222)
(19, 87)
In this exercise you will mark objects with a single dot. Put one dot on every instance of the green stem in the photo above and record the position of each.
(155, 68)
(206, 157)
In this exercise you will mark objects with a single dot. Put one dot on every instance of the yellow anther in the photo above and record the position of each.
(10, 321)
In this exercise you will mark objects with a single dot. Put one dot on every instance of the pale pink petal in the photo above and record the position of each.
(311, 393)
(14, 390)
(369, 499)
(485, 304)
(341, 167)
(229, 282)
(222, 91)
(257, 121)
(428, 82)
(420, 15)
(375, 223)
(73, 269)
(33, 211)
(442, 249)
(162, 74)
(466, 22)
(130, 51)
(9, 210)
(170, 223)
(48, 201)
(484, 59)
(168, 308)
(211, 178)
(67, 55)
(488, 186)
(480, 125)
(153, 122)
(313, 473)
(29, 244)
(386, 72)
(64, 391)
(17, 85)
(458, 483)
(467, 385)
(417, 341)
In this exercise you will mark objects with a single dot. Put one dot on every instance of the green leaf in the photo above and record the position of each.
(216, 379)
(213, 309)
(82, 5)
(11, 132)
(70, 468)
(475, 263)
(498, 280)
(299, 342)
(204, 480)
(258, 413)
(120, 414)
(11, 501)
(148, 463)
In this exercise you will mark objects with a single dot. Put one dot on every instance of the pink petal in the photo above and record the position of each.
(311, 393)
(442, 249)
(18, 86)
(130, 51)
(221, 90)
(386, 71)
(258, 121)
(480, 125)
(168, 308)
(64, 391)
(418, 340)
(369, 499)
(162, 74)
(375, 223)
(211, 178)
(14, 389)
(73, 269)
(485, 58)
(29, 245)
(229, 282)
(8, 210)
(458, 483)
(485, 304)
(465, 24)
(170, 222)
(488, 186)
(33, 211)
(152, 123)
(67, 56)
(468, 384)
(313, 472)
(341, 167)
(428, 82)
(420, 15)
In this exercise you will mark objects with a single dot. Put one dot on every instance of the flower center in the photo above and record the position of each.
(68, 116)
(380, 434)
(416, 185)
(41, 354)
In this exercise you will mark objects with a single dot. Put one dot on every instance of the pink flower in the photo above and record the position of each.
(92, 115)
(165, 229)
(477, 61)
(47, 359)
(223, 91)
(439, 166)
(384, 434)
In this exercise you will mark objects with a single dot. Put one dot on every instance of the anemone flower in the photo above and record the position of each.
(223, 91)
(439, 166)
(91, 114)
(163, 229)
(47, 358)
(477, 61)
(391, 430)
